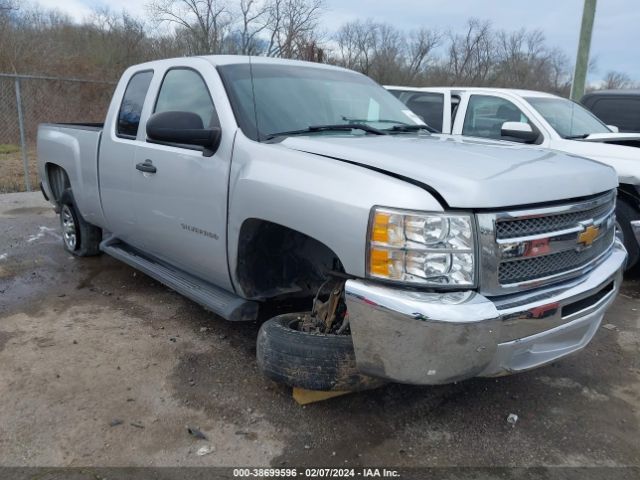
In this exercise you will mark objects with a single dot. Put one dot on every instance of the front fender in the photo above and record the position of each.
(323, 198)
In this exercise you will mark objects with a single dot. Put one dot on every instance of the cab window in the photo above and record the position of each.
(486, 114)
(624, 113)
(184, 90)
(429, 106)
(131, 106)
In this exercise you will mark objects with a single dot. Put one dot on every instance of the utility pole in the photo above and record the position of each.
(582, 58)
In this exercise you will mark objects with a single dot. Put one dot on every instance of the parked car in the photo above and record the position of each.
(620, 108)
(541, 120)
(243, 181)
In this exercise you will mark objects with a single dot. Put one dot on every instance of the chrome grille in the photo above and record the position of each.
(551, 223)
(523, 249)
(539, 267)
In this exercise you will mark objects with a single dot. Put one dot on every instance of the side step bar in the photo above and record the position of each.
(228, 305)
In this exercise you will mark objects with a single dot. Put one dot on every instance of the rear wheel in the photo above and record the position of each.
(78, 237)
(310, 360)
(625, 214)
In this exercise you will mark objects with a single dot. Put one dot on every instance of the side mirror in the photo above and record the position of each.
(184, 128)
(613, 128)
(520, 131)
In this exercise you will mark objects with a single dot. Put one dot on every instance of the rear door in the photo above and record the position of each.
(116, 161)
(181, 209)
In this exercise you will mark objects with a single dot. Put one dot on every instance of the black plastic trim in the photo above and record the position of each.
(44, 194)
(587, 302)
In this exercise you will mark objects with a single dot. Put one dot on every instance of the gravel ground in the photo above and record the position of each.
(100, 365)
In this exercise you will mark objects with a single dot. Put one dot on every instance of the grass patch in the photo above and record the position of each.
(8, 148)
(12, 168)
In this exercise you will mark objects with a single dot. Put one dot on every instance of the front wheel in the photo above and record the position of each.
(314, 361)
(78, 237)
(625, 214)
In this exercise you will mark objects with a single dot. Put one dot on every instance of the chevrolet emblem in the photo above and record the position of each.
(589, 235)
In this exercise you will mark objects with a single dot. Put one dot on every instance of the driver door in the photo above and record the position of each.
(181, 207)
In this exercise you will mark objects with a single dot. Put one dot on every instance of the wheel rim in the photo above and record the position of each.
(68, 228)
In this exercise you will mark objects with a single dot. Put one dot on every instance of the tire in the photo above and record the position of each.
(78, 237)
(313, 361)
(625, 214)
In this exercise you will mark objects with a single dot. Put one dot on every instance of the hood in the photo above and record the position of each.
(623, 157)
(469, 173)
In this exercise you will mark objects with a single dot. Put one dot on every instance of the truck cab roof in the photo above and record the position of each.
(220, 60)
(511, 91)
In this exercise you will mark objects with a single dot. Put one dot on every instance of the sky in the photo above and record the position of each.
(616, 31)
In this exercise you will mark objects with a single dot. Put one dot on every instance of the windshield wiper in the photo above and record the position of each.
(366, 120)
(576, 137)
(398, 127)
(411, 128)
(328, 128)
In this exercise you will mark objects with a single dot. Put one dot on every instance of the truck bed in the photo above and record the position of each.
(74, 147)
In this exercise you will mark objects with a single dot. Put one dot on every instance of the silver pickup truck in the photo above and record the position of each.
(418, 258)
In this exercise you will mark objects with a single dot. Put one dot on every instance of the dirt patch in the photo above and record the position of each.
(4, 338)
(26, 211)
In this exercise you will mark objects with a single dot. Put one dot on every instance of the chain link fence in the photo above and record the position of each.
(28, 100)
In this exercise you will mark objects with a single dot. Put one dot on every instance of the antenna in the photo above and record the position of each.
(253, 93)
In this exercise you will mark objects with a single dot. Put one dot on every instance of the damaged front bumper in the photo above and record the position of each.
(422, 338)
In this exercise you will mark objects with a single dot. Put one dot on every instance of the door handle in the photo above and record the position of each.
(146, 167)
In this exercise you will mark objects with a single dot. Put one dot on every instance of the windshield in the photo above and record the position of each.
(568, 118)
(289, 98)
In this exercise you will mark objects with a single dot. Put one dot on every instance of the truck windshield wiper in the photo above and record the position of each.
(327, 128)
(366, 120)
(398, 127)
(411, 128)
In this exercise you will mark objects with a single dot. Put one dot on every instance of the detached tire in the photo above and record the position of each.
(78, 237)
(313, 361)
(625, 214)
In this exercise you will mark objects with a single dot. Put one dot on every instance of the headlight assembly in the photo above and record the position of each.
(421, 248)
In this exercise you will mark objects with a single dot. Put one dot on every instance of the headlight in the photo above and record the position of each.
(421, 248)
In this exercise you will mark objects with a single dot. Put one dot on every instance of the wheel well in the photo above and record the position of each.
(276, 261)
(58, 180)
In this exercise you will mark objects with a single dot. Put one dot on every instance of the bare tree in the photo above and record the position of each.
(122, 39)
(253, 17)
(292, 25)
(385, 53)
(559, 73)
(420, 46)
(471, 54)
(388, 53)
(203, 24)
(356, 45)
(616, 81)
(7, 6)
(37, 40)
